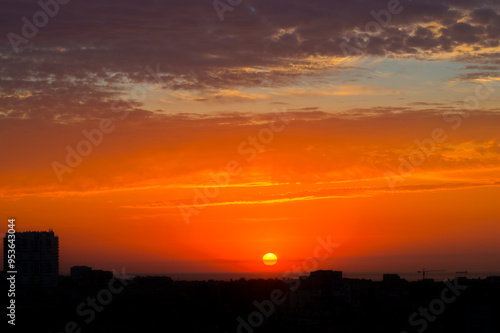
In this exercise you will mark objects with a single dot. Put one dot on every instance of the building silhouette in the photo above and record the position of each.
(391, 278)
(37, 258)
(85, 276)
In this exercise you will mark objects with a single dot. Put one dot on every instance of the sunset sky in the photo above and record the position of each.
(197, 136)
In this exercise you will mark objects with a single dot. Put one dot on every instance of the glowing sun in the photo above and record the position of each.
(269, 259)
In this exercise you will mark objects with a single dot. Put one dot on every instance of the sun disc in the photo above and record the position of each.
(270, 259)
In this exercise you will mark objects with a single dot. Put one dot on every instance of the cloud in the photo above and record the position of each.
(92, 52)
(483, 67)
(182, 149)
(317, 194)
(484, 15)
(425, 104)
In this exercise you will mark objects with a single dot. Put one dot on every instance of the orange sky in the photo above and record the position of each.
(320, 176)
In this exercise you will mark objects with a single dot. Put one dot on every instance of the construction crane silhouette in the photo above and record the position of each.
(423, 271)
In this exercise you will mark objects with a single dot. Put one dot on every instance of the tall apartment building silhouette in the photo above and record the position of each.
(37, 258)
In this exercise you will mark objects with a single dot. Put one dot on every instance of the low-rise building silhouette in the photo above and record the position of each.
(87, 277)
(391, 278)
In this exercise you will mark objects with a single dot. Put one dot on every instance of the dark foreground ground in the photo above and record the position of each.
(322, 303)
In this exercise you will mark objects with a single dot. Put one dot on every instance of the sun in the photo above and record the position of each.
(270, 259)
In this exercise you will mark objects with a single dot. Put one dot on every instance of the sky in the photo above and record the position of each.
(197, 136)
